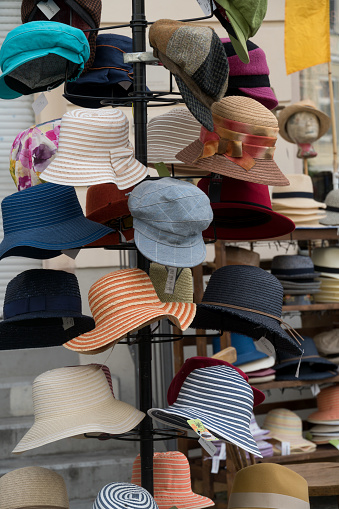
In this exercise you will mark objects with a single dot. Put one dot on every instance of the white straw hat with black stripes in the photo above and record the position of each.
(124, 495)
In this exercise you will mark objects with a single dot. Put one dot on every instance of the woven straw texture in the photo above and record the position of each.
(326, 261)
(172, 481)
(122, 495)
(33, 487)
(286, 426)
(94, 149)
(293, 267)
(183, 291)
(244, 109)
(88, 407)
(125, 301)
(328, 406)
(332, 216)
(298, 184)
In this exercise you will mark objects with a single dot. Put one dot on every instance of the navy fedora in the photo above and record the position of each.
(122, 495)
(42, 308)
(41, 221)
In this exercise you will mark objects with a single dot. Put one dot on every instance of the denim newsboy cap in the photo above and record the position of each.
(169, 217)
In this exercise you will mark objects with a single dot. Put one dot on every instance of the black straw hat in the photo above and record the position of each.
(42, 308)
(248, 300)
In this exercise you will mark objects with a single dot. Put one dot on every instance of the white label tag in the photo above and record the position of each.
(208, 446)
(266, 346)
(315, 389)
(67, 322)
(206, 6)
(40, 103)
(298, 367)
(217, 457)
(285, 448)
(71, 253)
(171, 280)
(49, 8)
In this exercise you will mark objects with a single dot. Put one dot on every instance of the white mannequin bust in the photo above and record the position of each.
(303, 129)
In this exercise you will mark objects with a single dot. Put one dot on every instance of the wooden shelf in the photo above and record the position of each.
(285, 384)
(324, 306)
(311, 234)
(322, 452)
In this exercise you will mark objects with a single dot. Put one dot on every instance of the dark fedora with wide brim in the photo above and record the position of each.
(242, 210)
(42, 308)
(240, 298)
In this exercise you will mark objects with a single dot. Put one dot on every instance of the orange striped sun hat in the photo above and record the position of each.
(172, 481)
(125, 301)
(328, 407)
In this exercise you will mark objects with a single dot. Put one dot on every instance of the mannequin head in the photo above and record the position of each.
(303, 129)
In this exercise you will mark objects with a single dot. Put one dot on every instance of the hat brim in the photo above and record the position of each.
(323, 417)
(331, 219)
(131, 320)
(277, 225)
(244, 322)
(324, 430)
(181, 169)
(265, 171)
(249, 356)
(296, 203)
(330, 275)
(75, 233)
(182, 501)
(172, 256)
(117, 417)
(288, 111)
(177, 417)
(295, 442)
(263, 363)
(291, 277)
(261, 379)
(113, 239)
(264, 95)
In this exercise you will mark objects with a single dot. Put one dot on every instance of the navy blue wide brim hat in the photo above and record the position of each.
(42, 221)
(246, 350)
(306, 372)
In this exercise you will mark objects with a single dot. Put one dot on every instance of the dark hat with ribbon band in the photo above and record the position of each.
(248, 300)
(293, 267)
(42, 308)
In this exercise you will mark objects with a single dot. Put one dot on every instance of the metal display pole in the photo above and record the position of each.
(138, 25)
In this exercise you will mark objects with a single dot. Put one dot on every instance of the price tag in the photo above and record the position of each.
(298, 367)
(335, 443)
(266, 346)
(200, 429)
(315, 389)
(208, 446)
(206, 6)
(67, 322)
(49, 8)
(217, 457)
(71, 253)
(285, 448)
(171, 280)
(162, 170)
(40, 103)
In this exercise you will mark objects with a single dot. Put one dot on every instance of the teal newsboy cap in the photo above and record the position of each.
(34, 57)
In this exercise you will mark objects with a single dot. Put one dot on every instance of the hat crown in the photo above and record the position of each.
(246, 110)
(105, 202)
(332, 198)
(283, 422)
(328, 399)
(89, 386)
(327, 257)
(122, 289)
(122, 495)
(292, 262)
(44, 205)
(245, 286)
(183, 291)
(243, 344)
(310, 350)
(298, 183)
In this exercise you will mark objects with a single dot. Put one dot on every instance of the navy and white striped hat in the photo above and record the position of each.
(124, 495)
(223, 401)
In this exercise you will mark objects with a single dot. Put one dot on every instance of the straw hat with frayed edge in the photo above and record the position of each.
(43, 220)
(122, 495)
(268, 485)
(94, 149)
(332, 209)
(242, 20)
(39, 488)
(293, 267)
(328, 407)
(286, 426)
(302, 106)
(326, 261)
(169, 133)
(297, 195)
(183, 290)
(243, 211)
(172, 481)
(253, 289)
(42, 308)
(242, 144)
(196, 57)
(89, 407)
(222, 400)
(125, 301)
(108, 205)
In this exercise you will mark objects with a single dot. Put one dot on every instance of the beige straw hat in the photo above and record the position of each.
(302, 106)
(33, 488)
(298, 195)
(74, 400)
(169, 133)
(94, 149)
(242, 144)
(326, 261)
(183, 290)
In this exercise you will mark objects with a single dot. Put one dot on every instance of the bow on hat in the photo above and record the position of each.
(238, 142)
(122, 158)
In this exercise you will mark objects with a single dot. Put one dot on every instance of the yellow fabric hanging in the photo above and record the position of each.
(307, 34)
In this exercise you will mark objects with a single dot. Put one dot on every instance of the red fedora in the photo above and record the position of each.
(242, 210)
(108, 205)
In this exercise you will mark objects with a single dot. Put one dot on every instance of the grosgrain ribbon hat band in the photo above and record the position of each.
(289, 329)
(320, 268)
(266, 500)
(296, 194)
(332, 209)
(42, 303)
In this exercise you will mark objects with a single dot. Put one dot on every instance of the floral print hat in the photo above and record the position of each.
(32, 151)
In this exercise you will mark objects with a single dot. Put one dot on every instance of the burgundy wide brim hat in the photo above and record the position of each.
(204, 362)
(243, 211)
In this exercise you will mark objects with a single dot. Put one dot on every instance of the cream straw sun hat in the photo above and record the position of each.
(298, 195)
(124, 301)
(33, 487)
(94, 148)
(74, 400)
(183, 290)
